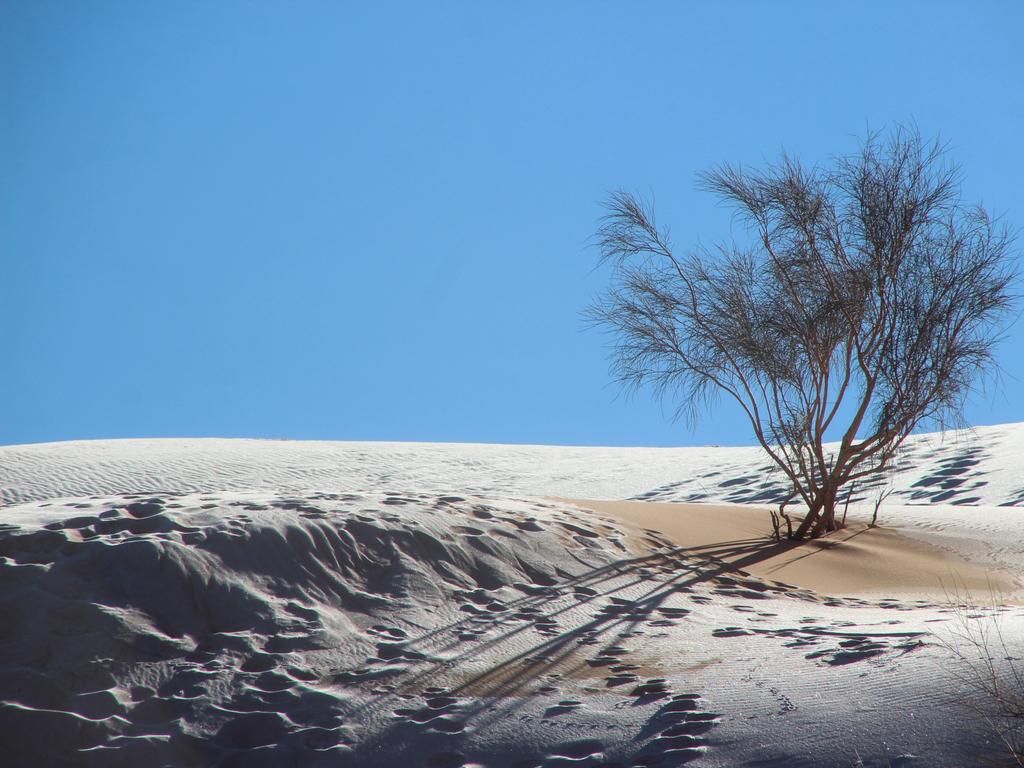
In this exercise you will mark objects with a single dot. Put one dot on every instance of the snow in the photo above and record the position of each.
(981, 466)
(263, 603)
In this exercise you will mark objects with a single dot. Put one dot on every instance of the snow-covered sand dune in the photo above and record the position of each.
(981, 466)
(266, 603)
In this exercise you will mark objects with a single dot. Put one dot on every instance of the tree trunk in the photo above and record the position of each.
(810, 519)
(821, 518)
(827, 520)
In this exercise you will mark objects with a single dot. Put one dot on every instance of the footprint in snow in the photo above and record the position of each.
(387, 633)
(440, 712)
(679, 729)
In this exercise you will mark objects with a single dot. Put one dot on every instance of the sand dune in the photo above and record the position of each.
(213, 629)
(859, 560)
(984, 466)
(254, 603)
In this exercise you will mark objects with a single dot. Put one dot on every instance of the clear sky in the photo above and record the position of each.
(369, 221)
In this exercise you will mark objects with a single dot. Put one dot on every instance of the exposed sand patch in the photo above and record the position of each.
(858, 560)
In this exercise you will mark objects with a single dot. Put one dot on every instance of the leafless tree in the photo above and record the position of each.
(867, 302)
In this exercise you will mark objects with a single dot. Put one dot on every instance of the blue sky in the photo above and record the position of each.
(369, 220)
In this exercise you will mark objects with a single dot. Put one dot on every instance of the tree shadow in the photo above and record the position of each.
(481, 697)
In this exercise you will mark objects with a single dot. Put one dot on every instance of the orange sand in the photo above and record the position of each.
(855, 561)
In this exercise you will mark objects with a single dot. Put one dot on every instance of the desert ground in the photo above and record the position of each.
(292, 603)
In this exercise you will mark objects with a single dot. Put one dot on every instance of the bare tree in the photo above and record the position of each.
(867, 303)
